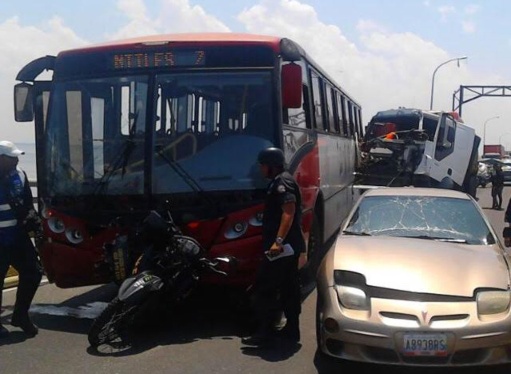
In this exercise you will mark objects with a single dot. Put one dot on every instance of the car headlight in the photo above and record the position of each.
(352, 297)
(493, 302)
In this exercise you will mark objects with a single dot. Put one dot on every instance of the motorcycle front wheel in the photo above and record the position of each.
(112, 324)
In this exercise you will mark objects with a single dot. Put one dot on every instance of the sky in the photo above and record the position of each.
(384, 53)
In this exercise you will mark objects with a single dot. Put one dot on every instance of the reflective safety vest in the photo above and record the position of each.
(11, 190)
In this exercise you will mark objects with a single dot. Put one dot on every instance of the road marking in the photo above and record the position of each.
(89, 311)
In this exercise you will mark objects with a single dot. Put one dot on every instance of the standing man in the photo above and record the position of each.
(17, 218)
(277, 285)
(497, 181)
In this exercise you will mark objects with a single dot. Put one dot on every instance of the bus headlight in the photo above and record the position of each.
(237, 230)
(56, 225)
(256, 220)
(74, 236)
(493, 302)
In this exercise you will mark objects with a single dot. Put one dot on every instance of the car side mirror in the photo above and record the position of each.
(506, 233)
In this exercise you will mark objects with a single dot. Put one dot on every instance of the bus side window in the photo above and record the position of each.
(298, 117)
(358, 121)
(344, 117)
(307, 106)
(317, 101)
(351, 122)
(330, 126)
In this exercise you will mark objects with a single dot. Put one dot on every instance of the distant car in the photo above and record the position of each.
(416, 277)
(506, 169)
(483, 174)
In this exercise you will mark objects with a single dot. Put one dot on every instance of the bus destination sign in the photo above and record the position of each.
(154, 59)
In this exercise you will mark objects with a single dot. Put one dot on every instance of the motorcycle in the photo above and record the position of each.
(165, 274)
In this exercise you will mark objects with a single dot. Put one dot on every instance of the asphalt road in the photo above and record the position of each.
(204, 337)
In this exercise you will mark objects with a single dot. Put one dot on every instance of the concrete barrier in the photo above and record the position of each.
(11, 280)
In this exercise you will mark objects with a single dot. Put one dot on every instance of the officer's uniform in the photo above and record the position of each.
(16, 247)
(279, 278)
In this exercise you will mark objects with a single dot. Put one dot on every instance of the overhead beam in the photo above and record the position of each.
(466, 94)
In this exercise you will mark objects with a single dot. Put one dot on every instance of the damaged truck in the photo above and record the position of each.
(413, 147)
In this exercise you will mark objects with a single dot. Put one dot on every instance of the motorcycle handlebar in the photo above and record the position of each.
(212, 264)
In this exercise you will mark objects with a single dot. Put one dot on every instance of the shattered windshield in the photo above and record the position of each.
(425, 217)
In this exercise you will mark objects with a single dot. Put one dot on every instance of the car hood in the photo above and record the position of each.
(423, 266)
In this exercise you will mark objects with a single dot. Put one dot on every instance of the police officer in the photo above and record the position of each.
(17, 217)
(277, 284)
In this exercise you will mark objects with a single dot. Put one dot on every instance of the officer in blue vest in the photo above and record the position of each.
(17, 218)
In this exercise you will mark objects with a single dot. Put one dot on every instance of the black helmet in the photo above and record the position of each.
(271, 156)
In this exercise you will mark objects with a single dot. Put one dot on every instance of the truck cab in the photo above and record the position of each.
(422, 148)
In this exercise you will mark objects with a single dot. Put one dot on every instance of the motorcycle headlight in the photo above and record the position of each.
(352, 297)
(493, 302)
(189, 247)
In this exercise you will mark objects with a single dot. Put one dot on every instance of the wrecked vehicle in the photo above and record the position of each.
(413, 147)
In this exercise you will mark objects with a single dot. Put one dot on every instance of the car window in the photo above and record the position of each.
(438, 218)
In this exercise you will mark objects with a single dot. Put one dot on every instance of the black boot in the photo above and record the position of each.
(4, 333)
(22, 320)
(264, 336)
(291, 331)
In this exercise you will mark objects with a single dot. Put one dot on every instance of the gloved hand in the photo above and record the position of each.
(32, 224)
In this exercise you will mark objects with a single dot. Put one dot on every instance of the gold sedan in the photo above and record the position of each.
(416, 276)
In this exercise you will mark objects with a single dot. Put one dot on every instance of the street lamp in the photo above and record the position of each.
(433, 78)
(484, 129)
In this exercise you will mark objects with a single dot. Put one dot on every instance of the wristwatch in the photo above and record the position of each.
(279, 240)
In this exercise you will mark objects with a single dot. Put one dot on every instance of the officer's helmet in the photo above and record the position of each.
(271, 156)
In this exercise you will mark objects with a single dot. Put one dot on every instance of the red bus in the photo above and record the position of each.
(130, 125)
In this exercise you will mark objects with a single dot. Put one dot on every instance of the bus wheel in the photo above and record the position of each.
(315, 242)
(314, 254)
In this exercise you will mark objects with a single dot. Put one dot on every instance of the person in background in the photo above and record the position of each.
(17, 218)
(277, 285)
(497, 181)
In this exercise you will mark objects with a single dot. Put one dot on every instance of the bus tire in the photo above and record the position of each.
(314, 246)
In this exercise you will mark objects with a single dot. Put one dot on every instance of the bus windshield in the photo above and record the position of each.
(167, 133)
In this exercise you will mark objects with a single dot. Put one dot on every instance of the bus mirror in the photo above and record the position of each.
(23, 109)
(291, 86)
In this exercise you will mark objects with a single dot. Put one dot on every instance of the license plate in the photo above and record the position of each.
(425, 344)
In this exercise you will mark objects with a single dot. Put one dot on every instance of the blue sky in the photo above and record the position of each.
(383, 52)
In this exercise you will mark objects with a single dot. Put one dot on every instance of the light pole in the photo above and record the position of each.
(433, 78)
(484, 130)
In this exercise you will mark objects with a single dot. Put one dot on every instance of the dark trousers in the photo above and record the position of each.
(23, 257)
(277, 288)
(496, 193)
